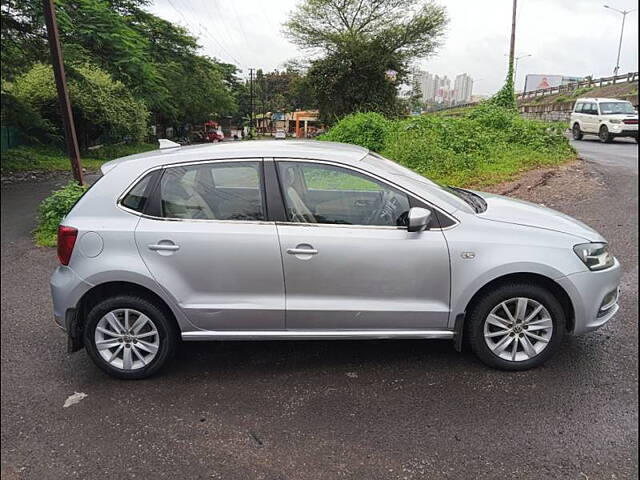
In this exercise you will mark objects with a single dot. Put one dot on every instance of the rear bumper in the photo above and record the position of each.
(67, 289)
(594, 296)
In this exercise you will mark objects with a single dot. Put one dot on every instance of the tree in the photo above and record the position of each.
(348, 81)
(362, 40)
(157, 61)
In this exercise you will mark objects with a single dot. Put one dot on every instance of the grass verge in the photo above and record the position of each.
(47, 158)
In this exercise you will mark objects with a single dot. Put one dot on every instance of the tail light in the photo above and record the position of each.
(66, 240)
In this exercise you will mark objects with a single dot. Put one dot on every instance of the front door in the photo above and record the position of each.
(211, 248)
(349, 261)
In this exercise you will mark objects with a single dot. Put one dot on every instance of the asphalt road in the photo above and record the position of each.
(307, 410)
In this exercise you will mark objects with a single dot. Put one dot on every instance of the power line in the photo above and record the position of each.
(209, 34)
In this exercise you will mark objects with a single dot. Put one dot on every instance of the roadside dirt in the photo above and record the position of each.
(552, 186)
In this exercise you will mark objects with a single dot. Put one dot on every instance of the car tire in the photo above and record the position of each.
(604, 135)
(148, 351)
(485, 338)
(576, 132)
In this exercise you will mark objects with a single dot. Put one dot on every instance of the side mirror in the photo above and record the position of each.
(419, 219)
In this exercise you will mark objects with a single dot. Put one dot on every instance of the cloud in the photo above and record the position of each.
(566, 38)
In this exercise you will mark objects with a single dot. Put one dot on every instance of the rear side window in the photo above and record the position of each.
(578, 108)
(136, 199)
(213, 191)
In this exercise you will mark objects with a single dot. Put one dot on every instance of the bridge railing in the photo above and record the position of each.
(588, 82)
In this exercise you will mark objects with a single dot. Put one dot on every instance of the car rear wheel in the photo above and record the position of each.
(516, 326)
(604, 135)
(577, 133)
(129, 337)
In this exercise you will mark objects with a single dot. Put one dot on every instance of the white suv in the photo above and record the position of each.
(606, 117)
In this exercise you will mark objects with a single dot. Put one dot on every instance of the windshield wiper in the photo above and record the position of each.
(475, 201)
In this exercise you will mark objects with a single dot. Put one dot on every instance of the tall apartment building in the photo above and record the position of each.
(462, 88)
(437, 89)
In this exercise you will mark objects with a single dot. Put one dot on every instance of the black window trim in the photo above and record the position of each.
(153, 206)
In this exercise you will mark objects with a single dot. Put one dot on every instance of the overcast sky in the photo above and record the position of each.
(574, 38)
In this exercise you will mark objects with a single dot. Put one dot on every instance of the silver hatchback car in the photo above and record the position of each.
(316, 240)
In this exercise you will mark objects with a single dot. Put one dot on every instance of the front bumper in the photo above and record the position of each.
(591, 295)
(622, 130)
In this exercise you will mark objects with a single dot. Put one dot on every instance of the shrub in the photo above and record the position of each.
(486, 144)
(365, 129)
(102, 108)
(53, 209)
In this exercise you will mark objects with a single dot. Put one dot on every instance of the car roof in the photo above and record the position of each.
(590, 99)
(306, 149)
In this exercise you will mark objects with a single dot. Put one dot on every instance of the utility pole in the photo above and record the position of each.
(512, 48)
(515, 68)
(63, 92)
(624, 16)
(251, 99)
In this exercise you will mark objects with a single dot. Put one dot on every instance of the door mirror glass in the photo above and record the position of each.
(419, 219)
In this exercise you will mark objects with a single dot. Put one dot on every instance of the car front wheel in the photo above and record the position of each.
(516, 326)
(605, 136)
(129, 337)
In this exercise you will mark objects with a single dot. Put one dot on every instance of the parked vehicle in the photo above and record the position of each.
(280, 134)
(606, 117)
(198, 243)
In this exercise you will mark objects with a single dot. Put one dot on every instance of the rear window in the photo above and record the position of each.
(137, 196)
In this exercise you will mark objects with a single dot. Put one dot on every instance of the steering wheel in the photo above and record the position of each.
(385, 213)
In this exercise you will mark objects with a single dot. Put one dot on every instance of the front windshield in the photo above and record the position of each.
(613, 108)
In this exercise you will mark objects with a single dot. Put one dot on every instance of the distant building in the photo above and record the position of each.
(462, 88)
(436, 89)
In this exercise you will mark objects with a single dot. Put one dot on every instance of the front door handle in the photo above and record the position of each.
(302, 251)
(164, 246)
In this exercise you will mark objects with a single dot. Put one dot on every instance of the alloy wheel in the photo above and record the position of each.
(518, 329)
(127, 339)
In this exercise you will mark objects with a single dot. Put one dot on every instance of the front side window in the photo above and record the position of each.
(213, 191)
(319, 193)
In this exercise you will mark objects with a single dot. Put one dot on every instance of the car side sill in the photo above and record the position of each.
(314, 334)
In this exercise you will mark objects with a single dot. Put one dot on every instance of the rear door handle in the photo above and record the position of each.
(164, 246)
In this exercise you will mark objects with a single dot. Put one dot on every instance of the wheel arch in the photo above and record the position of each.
(551, 285)
(105, 290)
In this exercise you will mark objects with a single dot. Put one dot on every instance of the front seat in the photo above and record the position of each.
(297, 208)
(181, 200)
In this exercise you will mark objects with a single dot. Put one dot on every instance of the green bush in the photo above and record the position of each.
(102, 107)
(52, 210)
(484, 145)
(365, 129)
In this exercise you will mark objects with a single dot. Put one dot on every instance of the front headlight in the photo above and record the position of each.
(613, 120)
(596, 256)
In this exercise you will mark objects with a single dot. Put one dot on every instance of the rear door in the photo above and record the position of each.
(590, 111)
(206, 241)
(349, 261)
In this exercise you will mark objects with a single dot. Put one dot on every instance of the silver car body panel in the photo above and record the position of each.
(374, 282)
